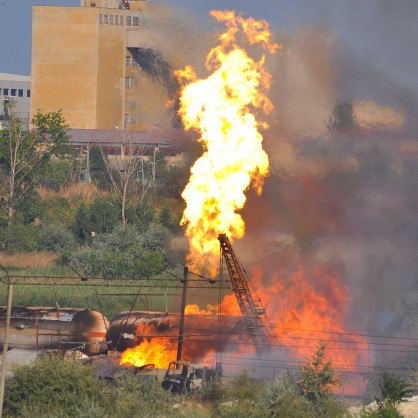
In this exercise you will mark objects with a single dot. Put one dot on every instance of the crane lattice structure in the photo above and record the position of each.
(250, 310)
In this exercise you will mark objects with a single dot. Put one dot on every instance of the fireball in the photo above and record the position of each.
(223, 110)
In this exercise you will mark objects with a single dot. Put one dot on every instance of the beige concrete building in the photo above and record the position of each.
(83, 62)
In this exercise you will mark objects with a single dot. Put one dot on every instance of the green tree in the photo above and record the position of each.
(55, 174)
(18, 237)
(98, 217)
(394, 389)
(318, 378)
(23, 154)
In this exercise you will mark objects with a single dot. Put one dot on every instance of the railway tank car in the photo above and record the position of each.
(44, 328)
(203, 332)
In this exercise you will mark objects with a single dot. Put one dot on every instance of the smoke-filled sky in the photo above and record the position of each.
(341, 143)
(342, 140)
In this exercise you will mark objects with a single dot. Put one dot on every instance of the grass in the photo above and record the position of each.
(74, 192)
(111, 300)
(41, 259)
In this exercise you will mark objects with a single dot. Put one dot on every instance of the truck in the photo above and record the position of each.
(185, 376)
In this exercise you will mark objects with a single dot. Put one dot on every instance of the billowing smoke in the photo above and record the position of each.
(169, 39)
(343, 153)
(342, 146)
(158, 69)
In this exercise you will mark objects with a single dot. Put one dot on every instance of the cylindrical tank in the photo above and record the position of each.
(43, 327)
(202, 333)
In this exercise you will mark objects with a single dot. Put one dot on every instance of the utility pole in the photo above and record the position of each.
(154, 168)
(88, 164)
(5, 341)
(183, 306)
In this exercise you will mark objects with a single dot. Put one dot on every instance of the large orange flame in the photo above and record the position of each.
(157, 351)
(222, 109)
(306, 307)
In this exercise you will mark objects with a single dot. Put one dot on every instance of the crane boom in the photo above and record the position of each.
(249, 309)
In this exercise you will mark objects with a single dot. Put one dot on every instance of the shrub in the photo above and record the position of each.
(242, 387)
(52, 387)
(55, 238)
(18, 237)
(57, 211)
(284, 401)
(154, 237)
(140, 215)
(139, 397)
(31, 208)
(211, 391)
(99, 217)
(122, 253)
(55, 174)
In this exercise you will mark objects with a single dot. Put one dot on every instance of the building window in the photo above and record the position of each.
(20, 92)
(6, 92)
(128, 20)
(129, 119)
(116, 20)
(110, 19)
(105, 19)
(0, 91)
(13, 92)
(128, 81)
(100, 18)
(128, 61)
(135, 21)
(27, 93)
(121, 20)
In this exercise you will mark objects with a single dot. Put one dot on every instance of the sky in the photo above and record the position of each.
(381, 31)
(341, 189)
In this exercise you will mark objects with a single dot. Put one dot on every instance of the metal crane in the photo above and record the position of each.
(250, 310)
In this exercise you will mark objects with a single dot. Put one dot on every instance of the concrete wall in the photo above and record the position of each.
(78, 64)
(65, 63)
(111, 75)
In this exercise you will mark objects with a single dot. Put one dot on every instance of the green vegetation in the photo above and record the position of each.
(318, 378)
(50, 386)
(393, 391)
(57, 387)
(23, 157)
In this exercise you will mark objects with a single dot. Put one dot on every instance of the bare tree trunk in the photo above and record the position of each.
(123, 174)
(123, 203)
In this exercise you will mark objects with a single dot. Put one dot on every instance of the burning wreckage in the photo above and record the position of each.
(307, 304)
(145, 340)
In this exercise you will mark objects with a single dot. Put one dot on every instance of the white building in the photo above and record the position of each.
(15, 88)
